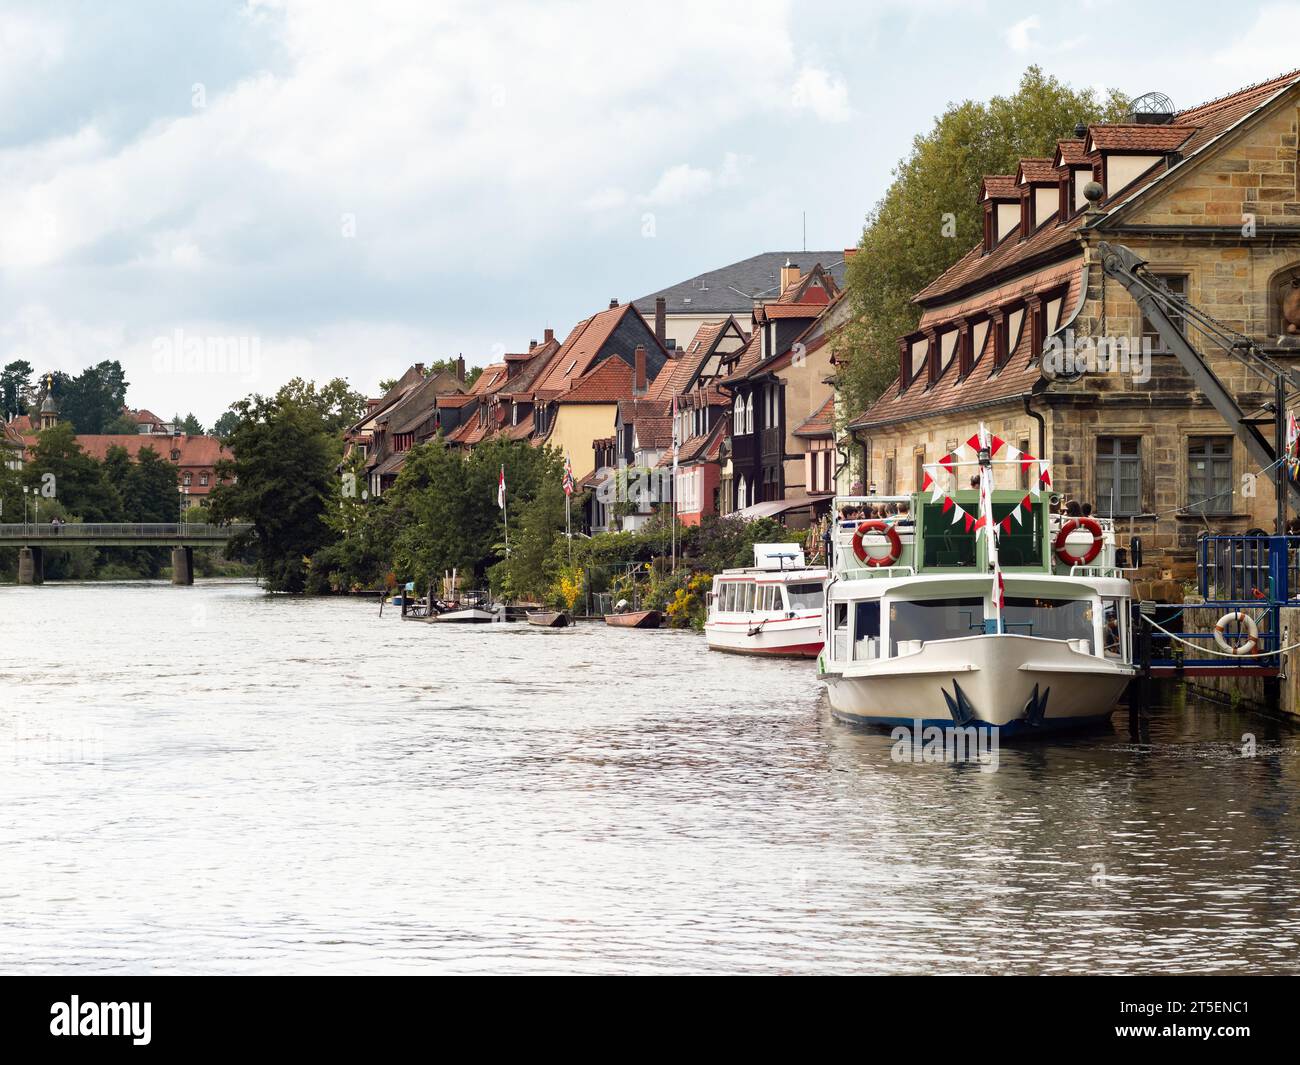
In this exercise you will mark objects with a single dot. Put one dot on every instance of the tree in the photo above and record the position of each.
(336, 403)
(285, 450)
(122, 425)
(77, 480)
(225, 425)
(930, 217)
(150, 492)
(93, 398)
(191, 425)
(16, 392)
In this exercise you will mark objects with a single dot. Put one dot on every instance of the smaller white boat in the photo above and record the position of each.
(772, 608)
(469, 615)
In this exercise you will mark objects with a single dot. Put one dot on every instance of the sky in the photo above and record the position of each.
(225, 195)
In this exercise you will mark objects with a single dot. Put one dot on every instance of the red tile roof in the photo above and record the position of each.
(490, 380)
(1038, 171)
(999, 187)
(1070, 152)
(607, 383)
(790, 310)
(1137, 138)
(581, 347)
(821, 422)
(194, 450)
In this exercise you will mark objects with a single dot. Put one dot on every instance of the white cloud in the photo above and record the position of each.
(822, 93)
(1262, 51)
(685, 182)
(1020, 35)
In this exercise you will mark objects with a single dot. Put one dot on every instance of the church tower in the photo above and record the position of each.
(49, 412)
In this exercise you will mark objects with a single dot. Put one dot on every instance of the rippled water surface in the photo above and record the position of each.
(210, 779)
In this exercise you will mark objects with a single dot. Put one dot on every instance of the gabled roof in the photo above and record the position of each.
(733, 289)
(788, 310)
(750, 356)
(1136, 138)
(815, 286)
(1070, 152)
(607, 383)
(821, 422)
(1037, 172)
(492, 379)
(999, 187)
(581, 348)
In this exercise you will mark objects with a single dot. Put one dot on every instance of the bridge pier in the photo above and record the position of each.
(31, 565)
(182, 565)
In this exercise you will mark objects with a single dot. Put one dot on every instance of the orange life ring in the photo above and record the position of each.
(895, 544)
(1069, 527)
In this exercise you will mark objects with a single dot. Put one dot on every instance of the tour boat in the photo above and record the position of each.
(634, 619)
(774, 608)
(549, 619)
(1021, 629)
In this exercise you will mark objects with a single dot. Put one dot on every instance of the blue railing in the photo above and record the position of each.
(1252, 575)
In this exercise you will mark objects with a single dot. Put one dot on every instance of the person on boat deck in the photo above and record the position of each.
(1073, 510)
(902, 514)
(1086, 510)
(975, 480)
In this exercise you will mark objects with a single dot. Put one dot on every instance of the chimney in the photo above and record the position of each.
(638, 371)
(460, 368)
(789, 273)
(849, 253)
(549, 335)
(419, 368)
(613, 303)
(661, 319)
(532, 344)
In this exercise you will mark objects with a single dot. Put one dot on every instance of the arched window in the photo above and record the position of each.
(738, 418)
(749, 413)
(742, 495)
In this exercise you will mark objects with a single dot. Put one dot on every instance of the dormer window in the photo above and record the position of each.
(1002, 214)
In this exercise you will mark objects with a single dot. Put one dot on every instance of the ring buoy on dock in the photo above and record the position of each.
(1243, 619)
(891, 534)
(1073, 525)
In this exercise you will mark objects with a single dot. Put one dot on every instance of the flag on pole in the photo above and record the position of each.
(568, 476)
(501, 489)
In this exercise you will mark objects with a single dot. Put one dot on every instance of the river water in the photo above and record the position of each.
(213, 780)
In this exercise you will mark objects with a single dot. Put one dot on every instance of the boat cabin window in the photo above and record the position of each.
(749, 596)
(866, 631)
(934, 619)
(1114, 626)
(770, 599)
(840, 631)
(805, 596)
(1053, 619)
(1022, 544)
(946, 544)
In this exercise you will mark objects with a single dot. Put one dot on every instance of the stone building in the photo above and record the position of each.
(1208, 196)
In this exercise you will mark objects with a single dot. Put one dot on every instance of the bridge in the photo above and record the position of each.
(32, 539)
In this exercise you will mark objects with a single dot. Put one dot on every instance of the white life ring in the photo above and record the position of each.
(1246, 621)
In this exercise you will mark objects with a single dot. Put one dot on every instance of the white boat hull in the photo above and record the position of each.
(1010, 682)
(799, 637)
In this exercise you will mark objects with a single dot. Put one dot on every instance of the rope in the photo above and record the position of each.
(1224, 654)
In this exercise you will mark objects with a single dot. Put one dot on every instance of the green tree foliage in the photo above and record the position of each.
(225, 425)
(336, 403)
(16, 391)
(190, 424)
(92, 399)
(79, 482)
(285, 450)
(930, 216)
(122, 425)
(150, 490)
(445, 506)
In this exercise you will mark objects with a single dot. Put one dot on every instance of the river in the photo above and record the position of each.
(213, 780)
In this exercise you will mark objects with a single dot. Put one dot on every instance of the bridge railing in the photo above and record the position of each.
(185, 530)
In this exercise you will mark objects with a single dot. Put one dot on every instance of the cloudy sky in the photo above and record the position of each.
(350, 187)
